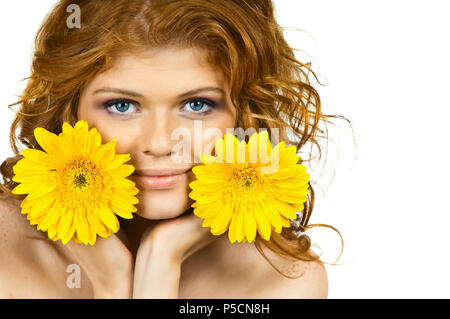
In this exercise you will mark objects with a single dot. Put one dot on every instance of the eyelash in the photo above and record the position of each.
(211, 104)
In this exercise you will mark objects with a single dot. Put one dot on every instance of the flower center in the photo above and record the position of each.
(248, 179)
(81, 181)
(245, 187)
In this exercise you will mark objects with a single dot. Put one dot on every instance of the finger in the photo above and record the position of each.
(178, 237)
(198, 237)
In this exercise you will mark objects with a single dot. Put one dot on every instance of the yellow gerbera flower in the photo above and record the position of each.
(76, 185)
(240, 191)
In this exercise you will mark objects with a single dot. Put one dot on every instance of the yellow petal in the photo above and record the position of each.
(47, 140)
(208, 159)
(109, 219)
(98, 153)
(41, 158)
(204, 172)
(124, 182)
(117, 161)
(104, 152)
(81, 126)
(52, 231)
(76, 238)
(95, 138)
(292, 182)
(65, 222)
(219, 149)
(249, 225)
(230, 143)
(239, 227)
(44, 190)
(291, 195)
(285, 222)
(83, 144)
(110, 151)
(94, 222)
(272, 215)
(68, 235)
(299, 206)
(41, 206)
(232, 229)
(67, 128)
(288, 156)
(92, 235)
(253, 148)
(222, 220)
(263, 224)
(203, 188)
(220, 168)
(130, 191)
(203, 199)
(241, 152)
(286, 210)
(50, 217)
(38, 177)
(81, 226)
(33, 188)
(65, 145)
(25, 166)
(122, 209)
(122, 171)
(207, 211)
(208, 221)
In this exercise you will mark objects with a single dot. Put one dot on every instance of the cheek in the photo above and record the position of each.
(211, 131)
(108, 128)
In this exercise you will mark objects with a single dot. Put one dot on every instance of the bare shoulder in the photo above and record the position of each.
(15, 230)
(221, 270)
(312, 284)
(13, 225)
(30, 264)
(16, 253)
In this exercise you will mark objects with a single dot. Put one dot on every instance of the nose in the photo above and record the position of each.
(156, 140)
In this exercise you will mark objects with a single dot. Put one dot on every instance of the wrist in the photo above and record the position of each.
(164, 248)
(164, 251)
(157, 274)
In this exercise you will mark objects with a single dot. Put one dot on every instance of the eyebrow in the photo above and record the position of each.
(136, 94)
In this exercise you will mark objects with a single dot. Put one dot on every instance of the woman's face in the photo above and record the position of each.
(144, 102)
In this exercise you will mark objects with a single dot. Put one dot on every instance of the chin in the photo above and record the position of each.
(162, 203)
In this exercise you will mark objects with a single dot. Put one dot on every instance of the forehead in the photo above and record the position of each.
(171, 69)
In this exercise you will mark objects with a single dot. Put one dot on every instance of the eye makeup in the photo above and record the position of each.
(119, 106)
(211, 106)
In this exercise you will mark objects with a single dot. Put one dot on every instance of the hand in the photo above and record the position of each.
(164, 247)
(178, 238)
(108, 264)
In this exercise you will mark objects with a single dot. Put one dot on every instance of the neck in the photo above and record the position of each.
(131, 230)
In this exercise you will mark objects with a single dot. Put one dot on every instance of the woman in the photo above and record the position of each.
(139, 70)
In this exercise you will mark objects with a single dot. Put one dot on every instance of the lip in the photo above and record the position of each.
(160, 178)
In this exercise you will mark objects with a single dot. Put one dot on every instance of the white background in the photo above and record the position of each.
(386, 66)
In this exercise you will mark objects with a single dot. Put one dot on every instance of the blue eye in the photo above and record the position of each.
(196, 106)
(120, 105)
(199, 106)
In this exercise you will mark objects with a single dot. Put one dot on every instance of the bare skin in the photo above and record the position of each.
(162, 252)
(33, 268)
